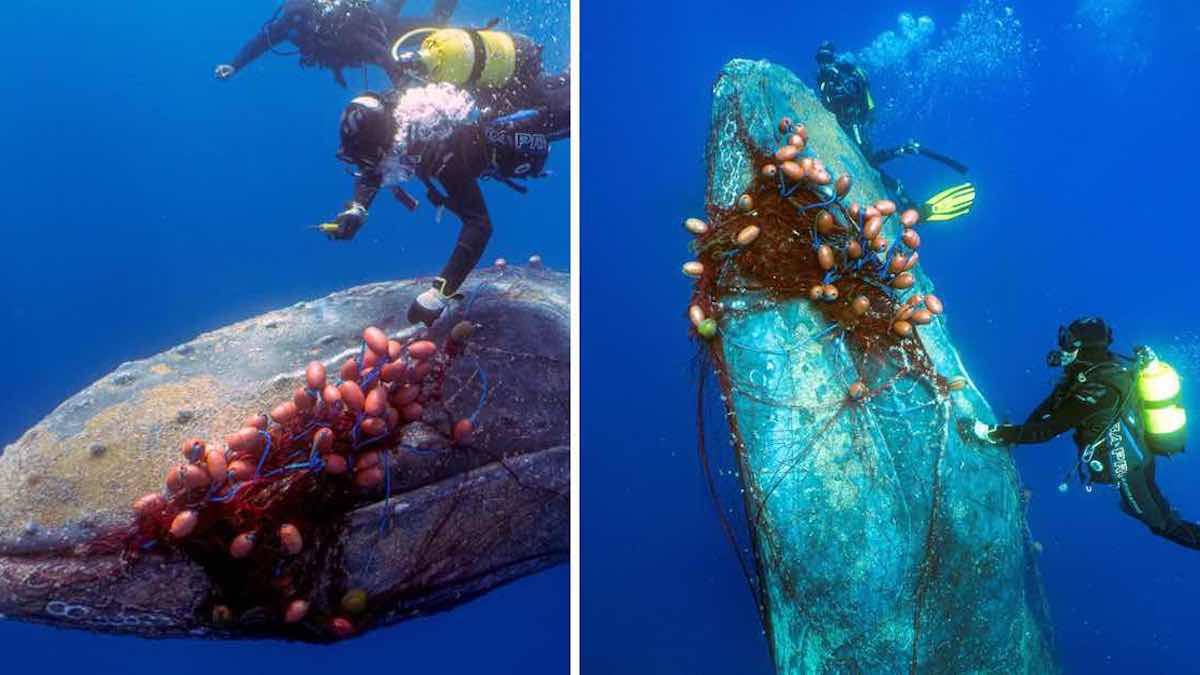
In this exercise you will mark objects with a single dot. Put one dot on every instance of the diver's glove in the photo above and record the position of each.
(428, 306)
(910, 148)
(349, 222)
(224, 71)
(983, 432)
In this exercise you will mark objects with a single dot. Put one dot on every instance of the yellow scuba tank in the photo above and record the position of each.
(464, 57)
(1164, 420)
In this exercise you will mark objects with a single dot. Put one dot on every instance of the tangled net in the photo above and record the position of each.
(262, 510)
(792, 236)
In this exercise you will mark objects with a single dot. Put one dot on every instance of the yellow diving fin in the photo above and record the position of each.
(328, 228)
(951, 203)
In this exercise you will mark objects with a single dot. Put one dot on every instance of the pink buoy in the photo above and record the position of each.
(422, 349)
(369, 478)
(242, 545)
(295, 612)
(374, 426)
(336, 465)
(323, 440)
(376, 402)
(464, 432)
(352, 396)
(184, 524)
(376, 340)
(314, 375)
(150, 506)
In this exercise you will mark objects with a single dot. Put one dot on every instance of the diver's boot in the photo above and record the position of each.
(428, 307)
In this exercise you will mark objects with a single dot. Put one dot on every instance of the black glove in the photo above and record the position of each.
(349, 222)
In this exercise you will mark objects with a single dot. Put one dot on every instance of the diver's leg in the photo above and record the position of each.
(465, 199)
(896, 188)
(392, 6)
(443, 10)
(557, 92)
(1141, 498)
(1178, 530)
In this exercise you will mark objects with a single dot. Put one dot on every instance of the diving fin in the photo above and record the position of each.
(951, 203)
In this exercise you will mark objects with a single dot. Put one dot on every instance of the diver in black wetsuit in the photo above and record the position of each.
(336, 34)
(505, 144)
(846, 92)
(1096, 397)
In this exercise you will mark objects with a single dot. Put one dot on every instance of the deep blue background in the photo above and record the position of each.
(144, 203)
(1085, 167)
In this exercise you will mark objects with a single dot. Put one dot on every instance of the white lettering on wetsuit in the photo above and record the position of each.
(1120, 467)
(1116, 444)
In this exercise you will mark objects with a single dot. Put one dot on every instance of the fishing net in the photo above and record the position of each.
(274, 512)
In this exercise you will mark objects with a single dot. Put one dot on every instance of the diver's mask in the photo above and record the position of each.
(1058, 358)
(1068, 349)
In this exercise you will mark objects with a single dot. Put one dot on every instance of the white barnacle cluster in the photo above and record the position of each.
(424, 115)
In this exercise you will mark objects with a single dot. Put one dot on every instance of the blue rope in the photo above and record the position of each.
(832, 200)
(311, 427)
(263, 460)
(371, 440)
(475, 295)
(233, 491)
(385, 519)
(483, 380)
(357, 423)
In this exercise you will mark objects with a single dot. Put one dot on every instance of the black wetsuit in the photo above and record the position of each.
(1091, 399)
(846, 92)
(338, 34)
(451, 169)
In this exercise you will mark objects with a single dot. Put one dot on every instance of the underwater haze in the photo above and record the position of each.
(1075, 118)
(148, 203)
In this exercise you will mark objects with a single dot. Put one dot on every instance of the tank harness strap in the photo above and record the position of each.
(480, 57)
(1084, 462)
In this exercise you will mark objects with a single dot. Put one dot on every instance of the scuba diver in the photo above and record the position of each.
(336, 34)
(845, 91)
(436, 133)
(1124, 411)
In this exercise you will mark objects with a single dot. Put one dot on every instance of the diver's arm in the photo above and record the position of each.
(271, 34)
(556, 91)
(366, 187)
(1045, 422)
(349, 221)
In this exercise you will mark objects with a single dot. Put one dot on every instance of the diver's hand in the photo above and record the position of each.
(911, 147)
(983, 432)
(349, 222)
(224, 71)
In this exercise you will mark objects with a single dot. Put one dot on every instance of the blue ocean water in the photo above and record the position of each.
(1076, 118)
(147, 203)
